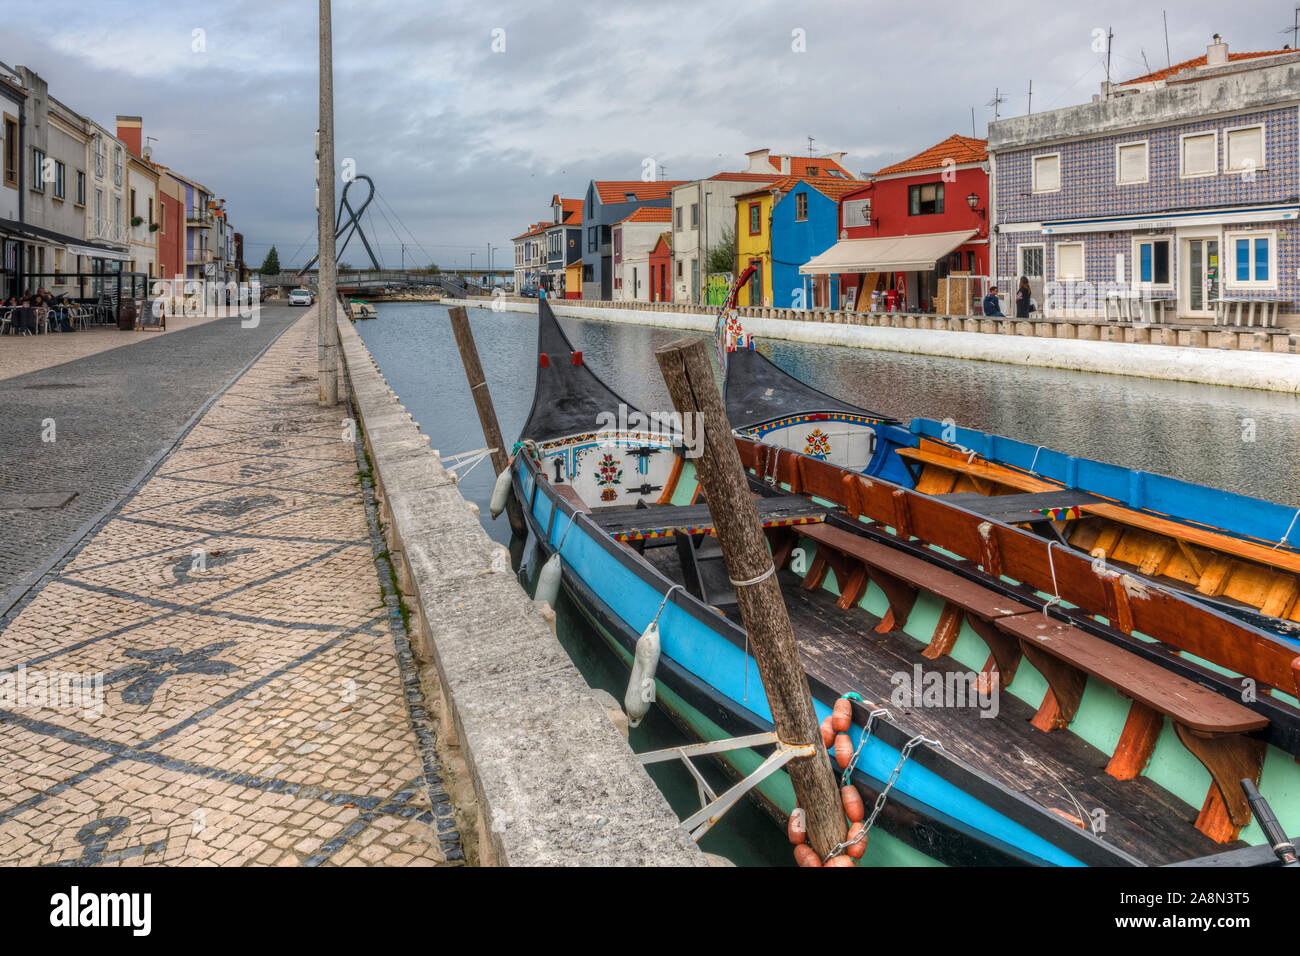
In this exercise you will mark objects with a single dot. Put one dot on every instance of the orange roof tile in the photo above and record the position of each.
(570, 208)
(649, 214)
(805, 166)
(1199, 61)
(831, 188)
(960, 149)
(616, 190)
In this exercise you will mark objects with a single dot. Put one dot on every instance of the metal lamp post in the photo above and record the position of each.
(327, 333)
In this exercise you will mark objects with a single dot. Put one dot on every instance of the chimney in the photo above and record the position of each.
(837, 158)
(1216, 54)
(128, 131)
(785, 165)
(758, 161)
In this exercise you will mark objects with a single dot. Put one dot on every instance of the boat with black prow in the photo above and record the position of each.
(1018, 722)
(1228, 550)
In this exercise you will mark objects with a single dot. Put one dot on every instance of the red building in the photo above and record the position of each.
(916, 222)
(661, 261)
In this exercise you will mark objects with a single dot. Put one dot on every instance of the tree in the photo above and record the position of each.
(721, 257)
(433, 269)
(271, 264)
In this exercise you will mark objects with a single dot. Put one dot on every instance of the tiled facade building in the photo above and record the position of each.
(1178, 189)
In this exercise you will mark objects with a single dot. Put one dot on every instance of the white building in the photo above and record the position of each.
(633, 238)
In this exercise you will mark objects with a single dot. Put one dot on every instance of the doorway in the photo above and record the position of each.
(1201, 277)
(1030, 263)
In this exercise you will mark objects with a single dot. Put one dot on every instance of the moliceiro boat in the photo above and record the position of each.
(1011, 705)
(1226, 550)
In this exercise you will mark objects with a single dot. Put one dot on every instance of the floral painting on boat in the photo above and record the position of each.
(818, 444)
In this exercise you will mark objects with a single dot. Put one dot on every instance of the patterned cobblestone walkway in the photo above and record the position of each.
(257, 701)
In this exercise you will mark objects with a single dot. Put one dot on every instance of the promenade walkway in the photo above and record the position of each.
(217, 676)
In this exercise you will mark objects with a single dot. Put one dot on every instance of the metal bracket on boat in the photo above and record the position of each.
(471, 458)
(712, 806)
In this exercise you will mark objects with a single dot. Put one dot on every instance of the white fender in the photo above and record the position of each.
(641, 684)
(500, 494)
(548, 581)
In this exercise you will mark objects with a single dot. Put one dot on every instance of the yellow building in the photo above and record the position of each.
(754, 244)
(573, 280)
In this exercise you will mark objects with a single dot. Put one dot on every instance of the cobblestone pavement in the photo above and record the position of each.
(257, 702)
(112, 413)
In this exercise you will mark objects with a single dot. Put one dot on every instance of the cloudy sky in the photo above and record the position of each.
(471, 115)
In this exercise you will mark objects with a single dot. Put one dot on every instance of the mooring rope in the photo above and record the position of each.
(1290, 528)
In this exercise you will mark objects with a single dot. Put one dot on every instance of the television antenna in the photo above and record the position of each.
(998, 100)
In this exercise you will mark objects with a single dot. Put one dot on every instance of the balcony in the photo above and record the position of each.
(203, 220)
(103, 229)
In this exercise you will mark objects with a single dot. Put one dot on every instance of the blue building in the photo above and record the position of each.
(805, 220)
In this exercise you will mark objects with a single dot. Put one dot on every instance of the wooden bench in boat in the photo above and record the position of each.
(666, 521)
(857, 560)
(1213, 727)
(1185, 534)
(1023, 508)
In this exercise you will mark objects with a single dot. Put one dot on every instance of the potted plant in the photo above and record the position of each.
(137, 220)
(153, 227)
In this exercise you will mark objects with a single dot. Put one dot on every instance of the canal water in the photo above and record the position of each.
(1241, 440)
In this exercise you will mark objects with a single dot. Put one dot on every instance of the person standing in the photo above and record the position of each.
(1023, 299)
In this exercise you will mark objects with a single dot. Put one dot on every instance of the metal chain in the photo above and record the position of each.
(884, 794)
(862, 742)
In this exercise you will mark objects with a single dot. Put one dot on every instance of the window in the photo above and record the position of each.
(60, 180)
(38, 170)
(117, 210)
(1243, 149)
(1131, 163)
(755, 219)
(1199, 154)
(11, 151)
(679, 268)
(1151, 261)
(132, 205)
(588, 273)
(151, 210)
(99, 156)
(811, 170)
(801, 207)
(99, 206)
(1069, 260)
(117, 166)
(695, 215)
(591, 238)
(1047, 173)
(677, 218)
(1254, 262)
(925, 200)
(81, 188)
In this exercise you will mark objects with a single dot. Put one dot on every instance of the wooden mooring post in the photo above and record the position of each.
(487, 415)
(686, 371)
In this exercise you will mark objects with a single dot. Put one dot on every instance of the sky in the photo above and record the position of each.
(470, 116)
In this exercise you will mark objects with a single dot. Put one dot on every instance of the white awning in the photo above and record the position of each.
(886, 253)
(98, 252)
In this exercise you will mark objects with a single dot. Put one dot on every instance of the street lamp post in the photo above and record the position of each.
(327, 333)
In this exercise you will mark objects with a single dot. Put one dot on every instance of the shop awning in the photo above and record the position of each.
(98, 252)
(886, 253)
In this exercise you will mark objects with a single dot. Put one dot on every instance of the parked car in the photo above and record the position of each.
(300, 297)
(529, 291)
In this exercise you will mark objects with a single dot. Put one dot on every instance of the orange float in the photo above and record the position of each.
(797, 829)
(842, 715)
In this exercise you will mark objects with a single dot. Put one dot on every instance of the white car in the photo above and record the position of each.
(300, 297)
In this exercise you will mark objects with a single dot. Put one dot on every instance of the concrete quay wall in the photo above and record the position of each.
(555, 782)
(1240, 357)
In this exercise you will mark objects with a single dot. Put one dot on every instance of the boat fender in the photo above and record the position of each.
(842, 715)
(500, 493)
(841, 860)
(843, 750)
(797, 830)
(854, 808)
(828, 733)
(548, 581)
(804, 855)
(641, 683)
(857, 840)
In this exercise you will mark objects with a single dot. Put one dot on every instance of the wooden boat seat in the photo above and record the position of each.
(1213, 727)
(857, 560)
(978, 469)
(1188, 534)
(665, 521)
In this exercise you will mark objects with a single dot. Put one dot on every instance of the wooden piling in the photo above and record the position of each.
(487, 415)
(686, 371)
